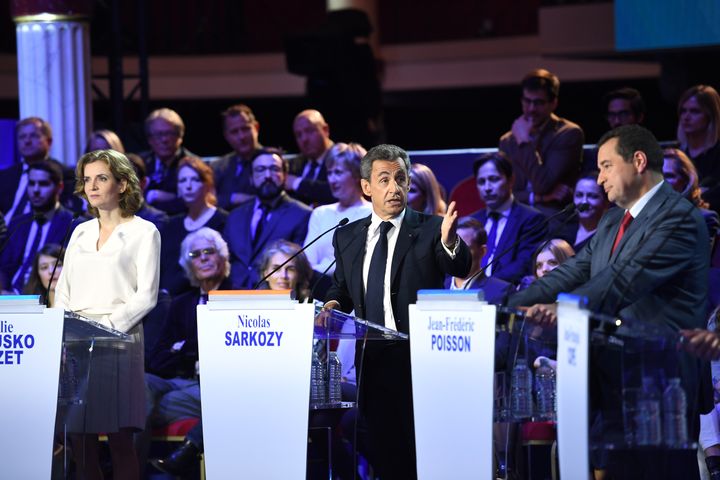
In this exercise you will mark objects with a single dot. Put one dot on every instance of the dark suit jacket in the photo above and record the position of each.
(154, 215)
(311, 191)
(11, 258)
(495, 291)
(524, 223)
(658, 274)
(228, 180)
(419, 262)
(288, 220)
(166, 180)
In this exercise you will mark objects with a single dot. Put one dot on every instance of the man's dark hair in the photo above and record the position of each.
(634, 138)
(541, 79)
(138, 165)
(479, 237)
(236, 111)
(499, 159)
(271, 151)
(637, 104)
(52, 168)
(386, 152)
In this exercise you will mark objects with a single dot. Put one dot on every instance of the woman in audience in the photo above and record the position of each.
(547, 258)
(680, 173)
(699, 135)
(425, 194)
(294, 276)
(43, 265)
(196, 188)
(104, 140)
(343, 171)
(590, 194)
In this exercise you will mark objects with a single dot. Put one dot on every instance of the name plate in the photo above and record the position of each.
(255, 383)
(452, 347)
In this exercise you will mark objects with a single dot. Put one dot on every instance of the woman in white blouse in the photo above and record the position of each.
(111, 275)
(343, 173)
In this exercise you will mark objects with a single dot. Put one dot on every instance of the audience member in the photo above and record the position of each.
(425, 194)
(495, 291)
(34, 138)
(154, 215)
(307, 180)
(164, 130)
(196, 188)
(173, 390)
(256, 223)
(47, 263)
(49, 222)
(233, 173)
(680, 173)
(514, 230)
(343, 166)
(545, 150)
(699, 136)
(104, 140)
(590, 194)
(294, 276)
(550, 255)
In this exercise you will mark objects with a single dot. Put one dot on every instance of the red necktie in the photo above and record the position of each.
(623, 226)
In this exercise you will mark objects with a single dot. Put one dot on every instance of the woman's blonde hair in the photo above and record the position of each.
(424, 178)
(131, 199)
(688, 171)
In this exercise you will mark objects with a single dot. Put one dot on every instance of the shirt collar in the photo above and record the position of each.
(640, 204)
(504, 208)
(375, 221)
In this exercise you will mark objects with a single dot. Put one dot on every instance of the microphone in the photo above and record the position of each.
(62, 246)
(575, 209)
(341, 223)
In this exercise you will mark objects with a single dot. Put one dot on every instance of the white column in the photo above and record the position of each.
(54, 80)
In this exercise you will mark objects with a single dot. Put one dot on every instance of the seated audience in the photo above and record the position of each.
(343, 167)
(256, 223)
(164, 130)
(172, 387)
(307, 178)
(588, 193)
(48, 222)
(196, 188)
(104, 140)
(233, 172)
(474, 235)
(545, 150)
(514, 230)
(425, 194)
(147, 211)
(698, 133)
(295, 276)
(48, 263)
(547, 258)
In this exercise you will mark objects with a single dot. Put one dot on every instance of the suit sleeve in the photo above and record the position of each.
(455, 267)
(339, 291)
(300, 231)
(318, 190)
(532, 234)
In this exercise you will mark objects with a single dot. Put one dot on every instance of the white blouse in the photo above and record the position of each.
(116, 285)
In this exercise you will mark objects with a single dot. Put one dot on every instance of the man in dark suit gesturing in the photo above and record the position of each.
(382, 261)
(648, 261)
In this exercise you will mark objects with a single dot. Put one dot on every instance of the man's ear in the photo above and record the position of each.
(365, 185)
(641, 161)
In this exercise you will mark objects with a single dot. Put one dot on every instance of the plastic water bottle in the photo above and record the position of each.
(521, 402)
(674, 415)
(334, 378)
(545, 391)
(317, 381)
(647, 419)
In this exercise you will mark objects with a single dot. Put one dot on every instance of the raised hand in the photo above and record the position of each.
(449, 226)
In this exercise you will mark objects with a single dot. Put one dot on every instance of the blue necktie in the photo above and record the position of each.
(375, 290)
(20, 277)
(492, 237)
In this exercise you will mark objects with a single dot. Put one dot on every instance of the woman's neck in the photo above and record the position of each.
(197, 209)
(111, 218)
(51, 298)
(589, 223)
(697, 143)
(352, 202)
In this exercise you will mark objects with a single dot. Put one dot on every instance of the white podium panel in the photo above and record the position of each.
(30, 346)
(255, 388)
(452, 352)
(572, 389)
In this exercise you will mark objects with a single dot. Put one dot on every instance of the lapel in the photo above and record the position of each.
(356, 254)
(276, 215)
(406, 237)
(635, 231)
(508, 235)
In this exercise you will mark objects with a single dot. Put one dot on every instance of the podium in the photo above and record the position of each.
(31, 342)
(255, 350)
